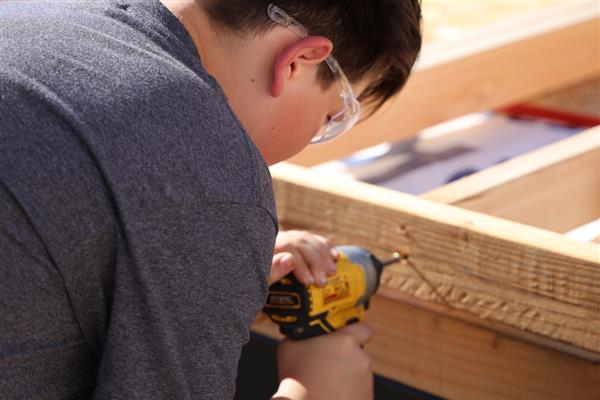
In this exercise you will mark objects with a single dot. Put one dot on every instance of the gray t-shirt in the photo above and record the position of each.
(137, 220)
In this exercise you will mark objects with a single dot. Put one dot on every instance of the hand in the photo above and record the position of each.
(331, 366)
(311, 257)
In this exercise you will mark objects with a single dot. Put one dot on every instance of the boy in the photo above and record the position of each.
(137, 221)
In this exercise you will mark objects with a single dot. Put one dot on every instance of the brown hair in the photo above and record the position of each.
(377, 39)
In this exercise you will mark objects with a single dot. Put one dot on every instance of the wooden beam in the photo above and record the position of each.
(523, 277)
(556, 187)
(580, 99)
(493, 67)
(458, 360)
(457, 19)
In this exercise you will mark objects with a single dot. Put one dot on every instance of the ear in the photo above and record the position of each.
(309, 51)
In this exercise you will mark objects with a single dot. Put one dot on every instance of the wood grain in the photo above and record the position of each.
(527, 278)
(455, 359)
(556, 187)
(458, 360)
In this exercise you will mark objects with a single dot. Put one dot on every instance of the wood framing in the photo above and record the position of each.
(556, 187)
(490, 300)
(476, 267)
(456, 359)
(582, 99)
(495, 66)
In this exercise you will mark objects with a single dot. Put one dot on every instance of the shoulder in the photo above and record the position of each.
(132, 95)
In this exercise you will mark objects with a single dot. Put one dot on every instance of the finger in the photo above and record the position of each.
(335, 253)
(260, 318)
(328, 253)
(301, 269)
(316, 262)
(331, 248)
(283, 264)
(361, 332)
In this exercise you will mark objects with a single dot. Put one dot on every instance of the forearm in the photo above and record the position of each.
(290, 389)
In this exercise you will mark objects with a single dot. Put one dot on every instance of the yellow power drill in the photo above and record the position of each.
(305, 311)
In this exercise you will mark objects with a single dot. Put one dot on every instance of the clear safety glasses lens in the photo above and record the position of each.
(343, 121)
(339, 123)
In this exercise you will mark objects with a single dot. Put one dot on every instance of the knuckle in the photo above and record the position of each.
(366, 363)
(286, 246)
(347, 342)
(297, 234)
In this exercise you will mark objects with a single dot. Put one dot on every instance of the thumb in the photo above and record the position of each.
(361, 332)
(283, 264)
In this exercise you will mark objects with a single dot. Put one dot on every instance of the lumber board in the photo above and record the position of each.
(459, 360)
(556, 187)
(498, 65)
(581, 99)
(588, 232)
(456, 19)
(523, 277)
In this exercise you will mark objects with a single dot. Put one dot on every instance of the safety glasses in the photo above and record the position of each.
(346, 118)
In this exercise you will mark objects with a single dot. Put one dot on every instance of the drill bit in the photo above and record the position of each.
(396, 257)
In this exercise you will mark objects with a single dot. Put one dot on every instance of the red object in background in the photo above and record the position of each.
(528, 111)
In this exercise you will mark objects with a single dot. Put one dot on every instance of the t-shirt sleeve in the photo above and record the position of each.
(181, 314)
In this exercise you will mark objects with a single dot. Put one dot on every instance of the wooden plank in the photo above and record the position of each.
(457, 19)
(456, 359)
(556, 187)
(582, 98)
(586, 233)
(523, 277)
(499, 65)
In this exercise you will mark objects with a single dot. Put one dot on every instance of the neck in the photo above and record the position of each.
(213, 47)
(237, 63)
